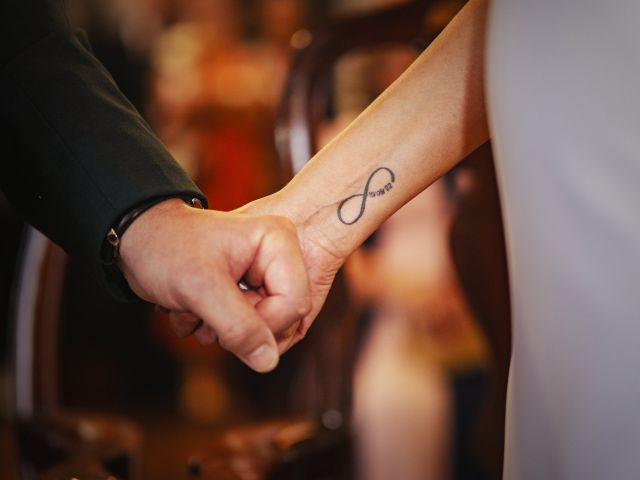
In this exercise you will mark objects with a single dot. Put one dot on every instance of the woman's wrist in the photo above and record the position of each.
(340, 215)
(311, 220)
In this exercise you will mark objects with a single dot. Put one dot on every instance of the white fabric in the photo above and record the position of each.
(563, 82)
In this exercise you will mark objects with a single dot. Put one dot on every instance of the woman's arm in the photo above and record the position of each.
(420, 127)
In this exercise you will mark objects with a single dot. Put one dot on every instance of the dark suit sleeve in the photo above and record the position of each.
(75, 155)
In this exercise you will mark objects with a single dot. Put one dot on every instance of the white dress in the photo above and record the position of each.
(563, 79)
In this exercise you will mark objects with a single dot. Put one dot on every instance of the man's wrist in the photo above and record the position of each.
(110, 251)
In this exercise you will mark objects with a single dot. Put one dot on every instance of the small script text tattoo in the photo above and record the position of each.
(367, 194)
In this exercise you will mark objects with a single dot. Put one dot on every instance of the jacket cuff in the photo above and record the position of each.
(114, 280)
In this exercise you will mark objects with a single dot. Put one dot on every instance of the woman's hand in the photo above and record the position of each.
(322, 259)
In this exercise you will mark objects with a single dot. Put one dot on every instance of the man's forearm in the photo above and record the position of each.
(426, 122)
(77, 155)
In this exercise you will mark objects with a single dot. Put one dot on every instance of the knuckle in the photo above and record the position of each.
(297, 306)
(293, 309)
(304, 306)
(280, 224)
(308, 305)
(287, 224)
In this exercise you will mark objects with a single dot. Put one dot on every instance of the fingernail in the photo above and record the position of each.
(264, 358)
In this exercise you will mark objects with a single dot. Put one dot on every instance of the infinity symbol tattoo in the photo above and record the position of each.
(366, 195)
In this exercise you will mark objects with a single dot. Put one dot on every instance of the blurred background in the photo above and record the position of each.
(397, 377)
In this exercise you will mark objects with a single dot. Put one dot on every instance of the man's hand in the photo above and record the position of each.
(322, 263)
(190, 262)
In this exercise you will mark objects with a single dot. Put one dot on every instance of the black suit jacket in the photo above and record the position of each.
(74, 153)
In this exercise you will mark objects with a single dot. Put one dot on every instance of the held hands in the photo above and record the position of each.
(190, 262)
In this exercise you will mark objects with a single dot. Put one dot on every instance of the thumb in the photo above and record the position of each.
(239, 328)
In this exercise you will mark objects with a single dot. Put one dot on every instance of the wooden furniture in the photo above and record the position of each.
(52, 443)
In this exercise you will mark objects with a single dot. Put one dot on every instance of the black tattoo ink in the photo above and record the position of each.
(366, 194)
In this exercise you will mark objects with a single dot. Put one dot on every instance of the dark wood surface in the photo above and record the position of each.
(479, 253)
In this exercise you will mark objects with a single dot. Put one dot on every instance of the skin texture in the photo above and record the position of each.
(431, 118)
(190, 261)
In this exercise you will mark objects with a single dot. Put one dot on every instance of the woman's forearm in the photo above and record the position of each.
(420, 127)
